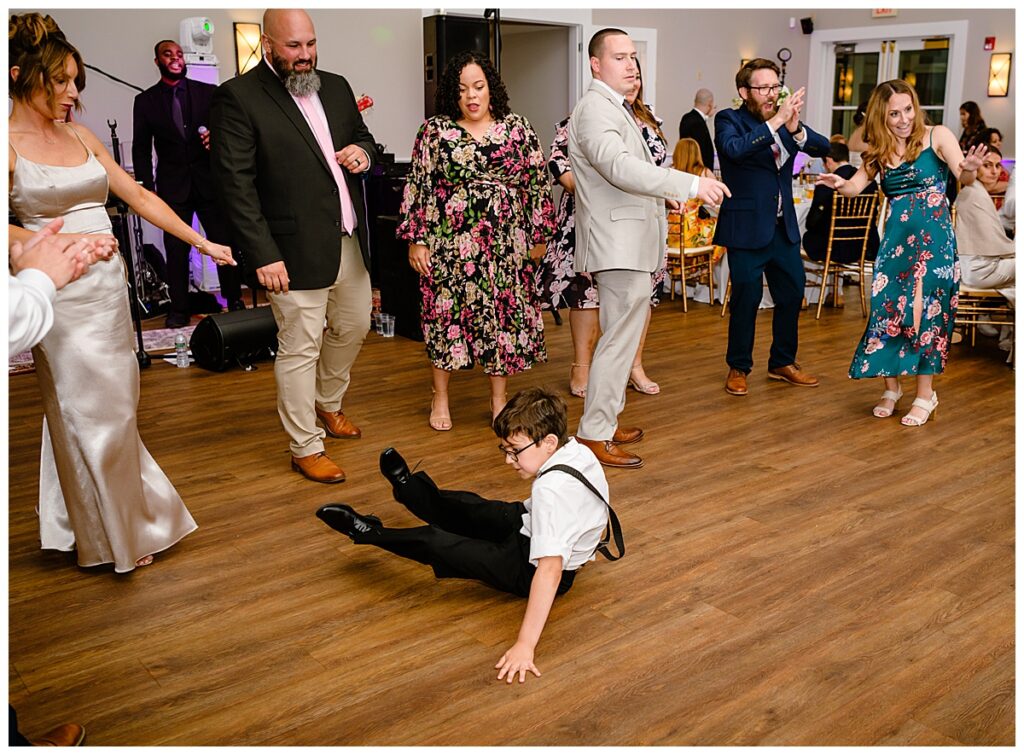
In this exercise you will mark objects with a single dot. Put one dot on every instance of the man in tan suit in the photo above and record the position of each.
(620, 232)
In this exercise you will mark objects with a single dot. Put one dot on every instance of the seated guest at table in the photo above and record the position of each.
(986, 254)
(819, 217)
(990, 137)
(1007, 212)
(837, 139)
(990, 174)
(987, 257)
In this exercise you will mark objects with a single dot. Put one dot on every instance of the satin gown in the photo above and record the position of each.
(100, 491)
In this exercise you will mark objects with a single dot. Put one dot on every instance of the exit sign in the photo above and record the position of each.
(884, 12)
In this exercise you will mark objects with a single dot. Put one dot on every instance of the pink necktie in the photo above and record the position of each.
(778, 154)
(323, 138)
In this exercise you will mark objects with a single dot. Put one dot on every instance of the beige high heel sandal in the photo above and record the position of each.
(880, 411)
(929, 405)
(442, 423)
(575, 391)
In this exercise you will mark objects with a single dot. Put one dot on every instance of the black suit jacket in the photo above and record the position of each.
(275, 186)
(692, 126)
(819, 218)
(747, 219)
(183, 164)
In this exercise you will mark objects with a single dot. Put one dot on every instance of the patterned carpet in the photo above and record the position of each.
(161, 339)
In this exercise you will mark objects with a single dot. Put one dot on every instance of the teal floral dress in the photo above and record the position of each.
(919, 244)
(479, 206)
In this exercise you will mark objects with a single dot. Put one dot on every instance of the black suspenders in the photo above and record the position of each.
(614, 530)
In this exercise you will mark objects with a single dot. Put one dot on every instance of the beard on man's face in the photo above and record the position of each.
(299, 84)
(755, 109)
(167, 73)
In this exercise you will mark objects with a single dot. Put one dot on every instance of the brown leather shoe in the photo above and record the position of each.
(338, 425)
(793, 375)
(318, 468)
(736, 382)
(65, 735)
(611, 455)
(626, 435)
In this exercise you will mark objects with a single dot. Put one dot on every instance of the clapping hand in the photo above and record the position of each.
(974, 157)
(791, 109)
(712, 191)
(62, 257)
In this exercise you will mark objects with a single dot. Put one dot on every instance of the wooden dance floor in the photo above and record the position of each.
(797, 572)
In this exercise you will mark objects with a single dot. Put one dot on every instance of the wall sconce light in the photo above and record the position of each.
(248, 49)
(999, 74)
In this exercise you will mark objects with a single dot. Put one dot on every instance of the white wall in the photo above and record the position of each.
(703, 48)
(534, 67)
(380, 52)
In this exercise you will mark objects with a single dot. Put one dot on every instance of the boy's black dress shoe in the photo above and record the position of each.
(347, 520)
(393, 467)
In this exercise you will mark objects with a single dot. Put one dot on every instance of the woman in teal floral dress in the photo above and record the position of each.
(477, 212)
(917, 274)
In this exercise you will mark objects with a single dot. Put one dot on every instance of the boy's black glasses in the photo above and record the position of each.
(514, 452)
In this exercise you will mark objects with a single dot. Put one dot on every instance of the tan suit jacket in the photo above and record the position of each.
(620, 192)
(979, 232)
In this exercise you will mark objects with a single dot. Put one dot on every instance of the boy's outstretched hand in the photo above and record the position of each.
(517, 659)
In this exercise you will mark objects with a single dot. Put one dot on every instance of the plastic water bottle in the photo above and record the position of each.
(180, 350)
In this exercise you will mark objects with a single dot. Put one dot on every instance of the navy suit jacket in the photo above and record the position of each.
(747, 220)
(183, 164)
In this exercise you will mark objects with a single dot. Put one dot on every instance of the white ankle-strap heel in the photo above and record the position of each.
(880, 411)
(922, 403)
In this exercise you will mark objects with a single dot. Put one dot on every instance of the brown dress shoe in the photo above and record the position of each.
(736, 382)
(625, 435)
(338, 425)
(611, 455)
(65, 735)
(793, 375)
(318, 468)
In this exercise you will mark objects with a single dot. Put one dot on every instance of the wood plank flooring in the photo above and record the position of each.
(798, 572)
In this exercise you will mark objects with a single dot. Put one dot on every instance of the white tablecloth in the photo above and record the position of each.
(700, 292)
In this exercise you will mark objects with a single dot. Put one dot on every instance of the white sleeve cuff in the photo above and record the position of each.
(541, 547)
(38, 280)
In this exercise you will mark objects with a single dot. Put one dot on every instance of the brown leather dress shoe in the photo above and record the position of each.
(611, 455)
(793, 375)
(626, 435)
(736, 382)
(338, 425)
(318, 468)
(65, 735)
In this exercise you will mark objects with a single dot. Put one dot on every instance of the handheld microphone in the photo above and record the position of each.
(203, 130)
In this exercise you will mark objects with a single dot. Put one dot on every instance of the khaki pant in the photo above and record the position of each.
(625, 301)
(313, 364)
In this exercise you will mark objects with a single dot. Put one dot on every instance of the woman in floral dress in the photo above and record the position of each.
(562, 287)
(475, 203)
(917, 274)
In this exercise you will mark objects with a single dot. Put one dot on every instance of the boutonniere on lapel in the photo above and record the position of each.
(364, 103)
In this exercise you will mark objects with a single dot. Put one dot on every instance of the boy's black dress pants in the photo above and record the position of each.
(467, 537)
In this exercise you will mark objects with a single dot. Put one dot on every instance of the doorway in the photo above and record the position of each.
(846, 64)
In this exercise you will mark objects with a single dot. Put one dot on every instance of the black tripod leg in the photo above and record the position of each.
(124, 243)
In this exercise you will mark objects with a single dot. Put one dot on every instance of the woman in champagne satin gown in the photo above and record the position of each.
(100, 491)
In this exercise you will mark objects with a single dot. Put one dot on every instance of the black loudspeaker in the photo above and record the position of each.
(384, 190)
(399, 284)
(807, 24)
(443, 37)
(242, 337)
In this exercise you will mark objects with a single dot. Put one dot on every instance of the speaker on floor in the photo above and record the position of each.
(235, 338)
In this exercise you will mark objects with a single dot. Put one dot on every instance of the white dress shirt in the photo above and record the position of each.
(30, 297)
(563, 517)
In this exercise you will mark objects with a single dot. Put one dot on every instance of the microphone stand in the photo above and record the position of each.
(124, 242)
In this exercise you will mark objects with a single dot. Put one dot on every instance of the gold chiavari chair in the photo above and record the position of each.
(852, 218)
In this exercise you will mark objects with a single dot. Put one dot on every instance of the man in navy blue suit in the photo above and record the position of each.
(757, 144)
